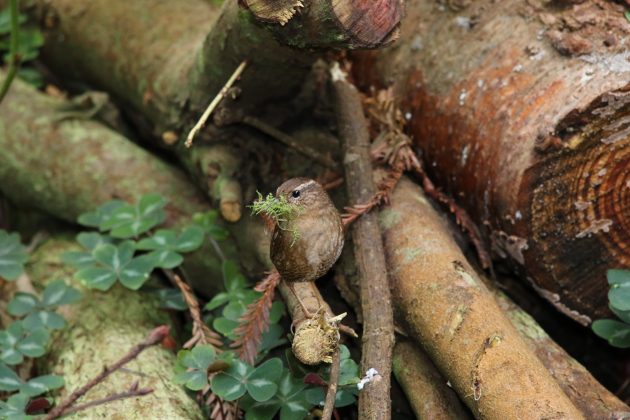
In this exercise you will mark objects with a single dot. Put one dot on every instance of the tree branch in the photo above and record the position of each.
(333, 380)
(156, 336)
(133, 391)
(378, 327)
(215, 102)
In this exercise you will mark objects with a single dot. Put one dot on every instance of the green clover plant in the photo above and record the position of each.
(126, 250)
(617, 332)
(29, 336)
(30, 40)
(192, 366)
(11, 382)
(12, 256)
(41, 313)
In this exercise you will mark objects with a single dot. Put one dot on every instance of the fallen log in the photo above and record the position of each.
(443, 305)
(527, 126)
(66, 167)
(591, 397)
(168, 65)
(101, 327)
(426, 389)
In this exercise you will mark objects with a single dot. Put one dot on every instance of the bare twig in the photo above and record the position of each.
(156, 336)
(215, 102)
(133, 391)
(331, 393)
(290, 141)
(378, 323)
(14, 60)
(217, 249)
(394, 149)
(200, 331)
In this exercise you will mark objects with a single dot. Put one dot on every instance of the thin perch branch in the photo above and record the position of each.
(215, 102)
(289, 141)
(378, 327)
(133, 391)
(156, 336)
(333, 380)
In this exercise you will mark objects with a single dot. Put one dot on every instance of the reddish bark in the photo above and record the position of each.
(534, 143)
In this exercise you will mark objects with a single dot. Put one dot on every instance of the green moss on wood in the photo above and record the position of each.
(101, 328)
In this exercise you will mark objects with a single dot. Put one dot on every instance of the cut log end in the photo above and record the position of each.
(581, 203)
(371, 22)
(274, 11)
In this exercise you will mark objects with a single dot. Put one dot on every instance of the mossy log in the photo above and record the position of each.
(522, 113)
(100, 329)
(65, 167)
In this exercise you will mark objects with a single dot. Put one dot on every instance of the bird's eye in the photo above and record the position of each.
(295, 193)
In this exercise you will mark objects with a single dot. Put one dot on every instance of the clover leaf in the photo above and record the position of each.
(233, 312)
(10, 381)
(15, 407)
(343, 398)
(619, 294)
(31, 39)
(272, 338)
(40, 314)
(194, 365)
(101, 215)
(89, 241)
(236, 287)
(116, 262)
(348, 378)
(16, 342)
(617, 333)
(290, 400)
(58, 293)
(166, 245)
(12, 256)
(171, 298)
(239, 378)
(208, 222)
(5, 20)
(129, 221)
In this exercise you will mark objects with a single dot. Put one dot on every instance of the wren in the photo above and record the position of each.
(307, 245)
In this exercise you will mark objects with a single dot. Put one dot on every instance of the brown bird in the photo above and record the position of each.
(305, 247)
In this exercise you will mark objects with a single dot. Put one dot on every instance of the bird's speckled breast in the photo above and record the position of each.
(315, 251)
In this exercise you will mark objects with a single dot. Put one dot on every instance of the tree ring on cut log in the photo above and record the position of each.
(581, 203)
(348, 24)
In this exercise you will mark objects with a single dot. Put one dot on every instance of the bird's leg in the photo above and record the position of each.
(307, 313)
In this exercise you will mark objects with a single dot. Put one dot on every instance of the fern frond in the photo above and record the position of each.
(255, 320)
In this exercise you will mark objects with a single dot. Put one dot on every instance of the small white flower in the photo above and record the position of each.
(371, 375)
